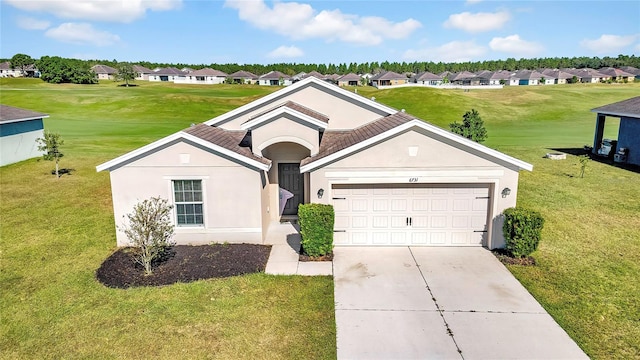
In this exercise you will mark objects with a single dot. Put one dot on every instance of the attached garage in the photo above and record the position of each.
(411, 214)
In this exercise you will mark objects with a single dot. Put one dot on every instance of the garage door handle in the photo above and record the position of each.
(339, 230)
(339, 198)
(479, 230)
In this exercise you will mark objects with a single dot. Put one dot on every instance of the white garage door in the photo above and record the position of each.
(393, 215)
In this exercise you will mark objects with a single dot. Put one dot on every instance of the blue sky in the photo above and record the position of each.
(247, 31)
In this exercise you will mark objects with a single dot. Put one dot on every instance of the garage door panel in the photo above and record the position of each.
(385, 215)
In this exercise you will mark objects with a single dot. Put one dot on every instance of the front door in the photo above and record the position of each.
(290, 179)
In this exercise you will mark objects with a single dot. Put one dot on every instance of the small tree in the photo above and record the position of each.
(125, 73)
(150, 229)
(584, 161)
(472, 127)
(50, 144)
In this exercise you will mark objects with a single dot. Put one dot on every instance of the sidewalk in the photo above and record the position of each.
(284, 239)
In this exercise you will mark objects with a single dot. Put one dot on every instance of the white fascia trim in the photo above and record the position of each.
(250, 125)
(294, 87)
(25, 119)
(180, 135)
(423, 125)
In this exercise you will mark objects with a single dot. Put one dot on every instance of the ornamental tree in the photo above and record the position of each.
(50, 144)
(472, 127)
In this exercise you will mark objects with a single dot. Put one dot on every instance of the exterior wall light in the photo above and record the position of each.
(320, 193)
(505, 192)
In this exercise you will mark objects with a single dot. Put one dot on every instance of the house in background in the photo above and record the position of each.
(275, 78)
(19, 129)
(393, 179)
(104, 72)
(627, 149)
(350, 79)
(142, 73)
(388, 78)
(558, 76)
(617, 74)
(166, 74)
(427, 78)
(631, 70)
(7, 71)
(244, 77)
(203, 76)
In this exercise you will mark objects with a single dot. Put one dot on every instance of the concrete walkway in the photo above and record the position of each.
(284, 239)
(443, 303)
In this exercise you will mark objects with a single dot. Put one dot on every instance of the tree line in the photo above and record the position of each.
(56, 69)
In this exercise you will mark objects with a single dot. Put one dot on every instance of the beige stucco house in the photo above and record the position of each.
(393, 179)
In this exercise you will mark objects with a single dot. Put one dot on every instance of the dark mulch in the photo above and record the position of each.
(305, 257)
(505, 257)
(185, 264)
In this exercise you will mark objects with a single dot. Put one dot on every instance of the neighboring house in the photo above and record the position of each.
(7, 71)
(19, 129)
(142, 73)
(530, 77)
(104, 72)
(350, 79)
(388, 78)
(314, 74)
(587, 75)
(203, 76)
(393, 179)
(427, 78)
(617, 74)
(243, 77)
(275, 78)
(631, 70)
(558, 76)
(628, 145)
(500, 77)
(464, 78)
(166, 74)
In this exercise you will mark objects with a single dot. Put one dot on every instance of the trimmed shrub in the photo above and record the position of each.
(316, 228)
(522, 231)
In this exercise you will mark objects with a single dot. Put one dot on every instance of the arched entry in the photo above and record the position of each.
(285, 172)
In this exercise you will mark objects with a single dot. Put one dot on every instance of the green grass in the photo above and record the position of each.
(55, 233)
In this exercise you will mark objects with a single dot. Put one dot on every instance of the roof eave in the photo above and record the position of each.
(24, 119)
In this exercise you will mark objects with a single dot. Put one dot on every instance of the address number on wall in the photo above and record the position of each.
(413, 179)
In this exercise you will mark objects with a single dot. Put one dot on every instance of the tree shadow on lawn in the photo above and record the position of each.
(601, 159)
(184, 264)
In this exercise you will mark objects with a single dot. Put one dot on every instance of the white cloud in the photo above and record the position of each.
(285, 52)
(477, 22)
(609, 43)
(513, 44)
(301, 21)
(455, 51)
(101, 10)
(29, 23)
(82, 34)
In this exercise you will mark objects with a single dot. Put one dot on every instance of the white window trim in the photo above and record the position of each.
(173, 201)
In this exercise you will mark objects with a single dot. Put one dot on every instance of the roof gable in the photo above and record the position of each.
(208, 72)
(305, 115)
(296, 87)
(626, 108)
(337, 145)
(209, 137)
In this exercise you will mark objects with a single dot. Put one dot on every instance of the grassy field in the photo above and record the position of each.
(55, 233)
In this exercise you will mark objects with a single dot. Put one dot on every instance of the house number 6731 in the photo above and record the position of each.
(414, 179)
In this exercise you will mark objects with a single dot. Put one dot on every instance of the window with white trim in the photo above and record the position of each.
(187, 196)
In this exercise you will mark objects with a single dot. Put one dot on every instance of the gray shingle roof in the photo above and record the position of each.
(103, 69)
(208, 72)
(388, 75)
(229, 140)
(334, 141)
(243, 75)
(615, 72)
(14, 114)
(274, 75)
(5, 65)
(425, 76)
(141, 69)
(350, 77)
(297, 107)
(169, 71)
(627, 108)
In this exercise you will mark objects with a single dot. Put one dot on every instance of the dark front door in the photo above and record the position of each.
(290, 179)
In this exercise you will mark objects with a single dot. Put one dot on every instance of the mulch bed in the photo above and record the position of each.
(506, 258)
(185, 264)
(305, 257)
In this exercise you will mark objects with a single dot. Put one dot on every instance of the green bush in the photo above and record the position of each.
(316, 228)
(522, 231)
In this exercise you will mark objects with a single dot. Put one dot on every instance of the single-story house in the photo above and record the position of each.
(531, 77)
(243, 77)
(393, 179)
(206, 76)
(617, 74)
(19, 129)
(631, 70)
(7, 71)
(275, 78)
(558, 76)
(628, 145)
(315, 74)
(142, 73)
(388, 78)
(427, 78)
(166, 74)
(587, 75)
(350, 79)
(104, 72)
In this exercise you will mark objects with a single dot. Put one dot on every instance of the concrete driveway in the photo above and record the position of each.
(446, 303)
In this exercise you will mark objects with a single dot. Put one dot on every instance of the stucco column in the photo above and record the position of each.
(597, 139)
